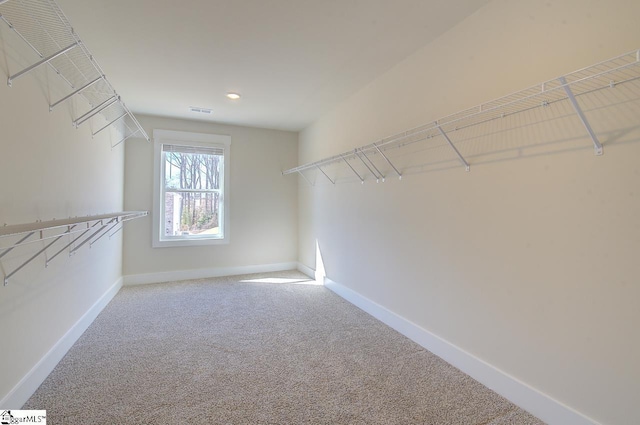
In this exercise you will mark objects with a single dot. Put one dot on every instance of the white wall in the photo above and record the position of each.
(529, 261)
(263, 216)
(48, 170)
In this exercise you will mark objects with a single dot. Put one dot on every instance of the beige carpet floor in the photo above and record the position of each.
(256, 349)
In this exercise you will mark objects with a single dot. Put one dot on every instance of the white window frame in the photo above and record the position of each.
(162, 137)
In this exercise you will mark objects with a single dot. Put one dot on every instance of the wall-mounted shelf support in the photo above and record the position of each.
(305, 177)
(8, 250)
(77, 238)
(368, 167)
(354, 170)
(57, 229)
(597, 146)
(325, 174)
(41, 62)
(111, 123)
(379, 174)
(101, 107)
(106, 232)
(93, 235)
(70, 95)
(464, 161)
(389, 161)
(34, 256)
(126, 137)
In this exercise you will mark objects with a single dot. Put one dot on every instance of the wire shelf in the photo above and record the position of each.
(81, 231)
(42, 25)
(614, 72)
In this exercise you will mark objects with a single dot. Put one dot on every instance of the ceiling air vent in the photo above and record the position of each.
(200, 110)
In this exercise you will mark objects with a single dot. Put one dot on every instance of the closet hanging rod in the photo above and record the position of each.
(603, 75)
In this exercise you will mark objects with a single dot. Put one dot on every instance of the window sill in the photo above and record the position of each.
(193, 242)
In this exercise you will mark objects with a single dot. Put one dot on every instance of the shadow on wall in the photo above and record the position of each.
(548, 128)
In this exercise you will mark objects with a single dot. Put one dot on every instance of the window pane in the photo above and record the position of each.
(192, 214)
(193, 170)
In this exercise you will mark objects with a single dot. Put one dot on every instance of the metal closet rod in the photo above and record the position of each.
(96, 226)
(58, 31)
(557, 89)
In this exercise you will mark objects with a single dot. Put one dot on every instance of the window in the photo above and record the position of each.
(191, 179)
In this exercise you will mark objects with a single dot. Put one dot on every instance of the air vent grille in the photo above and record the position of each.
(200, 110)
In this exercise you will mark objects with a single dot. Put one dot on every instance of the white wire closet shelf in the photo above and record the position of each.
(78, 232)
(42, 25)
(608, 74)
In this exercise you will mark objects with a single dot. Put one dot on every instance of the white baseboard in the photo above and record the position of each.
(306, 270)
(34, 378)
(172, 276)
(537, 403)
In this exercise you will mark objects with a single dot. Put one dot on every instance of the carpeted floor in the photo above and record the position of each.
(253, 350)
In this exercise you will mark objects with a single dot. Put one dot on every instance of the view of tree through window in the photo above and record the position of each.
(193, 197)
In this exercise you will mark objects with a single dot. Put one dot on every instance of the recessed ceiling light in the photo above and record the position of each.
(233, 96)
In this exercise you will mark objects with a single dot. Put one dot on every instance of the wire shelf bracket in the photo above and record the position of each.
(325, 174)
(110, 124)
(305, 177)
(36, 255)
(43, 26)
(597, 146)
(355, 152)
(378, 174)
(464, 161)
(101, 107)
(388, 161)
(8, 250)
(54, 230)
(354, 170)
(126, 137)
(117, 222)
(603, 75)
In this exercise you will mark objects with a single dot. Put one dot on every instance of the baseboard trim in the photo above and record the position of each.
(24, 389)
(306, 270)
(537, 403)
(172, 276)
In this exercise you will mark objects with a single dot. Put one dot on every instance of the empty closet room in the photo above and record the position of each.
(295, 211)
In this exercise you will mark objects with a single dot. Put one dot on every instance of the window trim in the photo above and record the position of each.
(184, 138)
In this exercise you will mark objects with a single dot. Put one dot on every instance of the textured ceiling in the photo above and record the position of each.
(292, 60)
